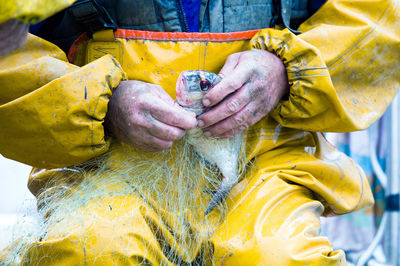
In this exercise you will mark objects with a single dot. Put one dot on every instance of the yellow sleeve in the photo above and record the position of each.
(51, 112)
(31, 11)
(343, 69)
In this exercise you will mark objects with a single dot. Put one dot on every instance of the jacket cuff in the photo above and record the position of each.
(87, 116)
(63, 119)
(312, 93)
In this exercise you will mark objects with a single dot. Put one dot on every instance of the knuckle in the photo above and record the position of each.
(172, 134)
(174, 119)
(164, 133)
(187, 122)
(165, 144)
(133, 120)
(147, 120)
(169, 136)
(180, 134)
(223, 129)
(140, 103)
(233, 106)
(228, 134)
(231, 85)
(239, 120)
(243, 127)
(146, 140)
(213, 130)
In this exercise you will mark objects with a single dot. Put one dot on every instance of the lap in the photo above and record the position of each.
(273, 222)
(272, 219)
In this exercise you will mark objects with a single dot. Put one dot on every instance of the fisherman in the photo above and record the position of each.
(305, 74)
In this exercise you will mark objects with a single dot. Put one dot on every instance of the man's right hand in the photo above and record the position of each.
(145, 116)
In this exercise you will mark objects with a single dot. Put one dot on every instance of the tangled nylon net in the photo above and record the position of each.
(174, 186)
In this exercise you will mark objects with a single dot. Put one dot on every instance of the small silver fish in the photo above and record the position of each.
(221, 152)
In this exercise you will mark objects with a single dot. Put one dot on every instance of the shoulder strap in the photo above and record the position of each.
(286, 12)
(91, 16)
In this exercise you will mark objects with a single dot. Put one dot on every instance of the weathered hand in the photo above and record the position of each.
(13, 34)
(254, 82)
(145, 116)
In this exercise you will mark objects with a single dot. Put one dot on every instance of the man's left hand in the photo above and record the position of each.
(252, 85)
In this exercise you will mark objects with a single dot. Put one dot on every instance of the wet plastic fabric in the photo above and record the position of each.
(51, 112)
(346, 98)
(360, 227)
(273, 215)
(343, 69)
(31, 11)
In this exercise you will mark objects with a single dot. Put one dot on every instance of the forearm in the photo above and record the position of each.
(52, 112)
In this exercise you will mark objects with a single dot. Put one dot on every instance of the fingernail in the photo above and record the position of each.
(207, 134)
(200, 123)
(206, 102)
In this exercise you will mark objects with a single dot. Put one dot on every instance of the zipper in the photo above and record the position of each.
(182, 16)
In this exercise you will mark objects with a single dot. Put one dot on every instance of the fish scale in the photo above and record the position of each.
(220, 152)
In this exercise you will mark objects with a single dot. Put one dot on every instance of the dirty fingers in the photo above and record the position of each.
(145, 116)
(254, 82)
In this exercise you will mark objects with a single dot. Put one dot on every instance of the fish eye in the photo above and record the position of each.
(204, 85)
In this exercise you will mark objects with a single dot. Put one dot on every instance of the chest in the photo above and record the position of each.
(215, 15)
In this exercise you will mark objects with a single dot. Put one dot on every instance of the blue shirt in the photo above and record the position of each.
(192, 13)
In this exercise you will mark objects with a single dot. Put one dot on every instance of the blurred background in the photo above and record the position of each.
(16, 202)
(369, 237)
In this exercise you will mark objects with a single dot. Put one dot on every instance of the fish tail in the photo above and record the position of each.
(218, 198)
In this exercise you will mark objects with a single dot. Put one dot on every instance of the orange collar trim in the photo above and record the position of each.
(184, 36)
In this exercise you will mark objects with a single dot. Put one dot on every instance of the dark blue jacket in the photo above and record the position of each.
(168, 15)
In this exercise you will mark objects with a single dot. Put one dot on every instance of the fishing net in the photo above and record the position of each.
(172, 187)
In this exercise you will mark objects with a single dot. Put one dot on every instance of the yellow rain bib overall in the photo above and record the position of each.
(273, 214)
(31, 11)
(295, 176)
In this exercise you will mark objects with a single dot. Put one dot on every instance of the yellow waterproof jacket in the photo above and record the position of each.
(31, 11)
(343, 73)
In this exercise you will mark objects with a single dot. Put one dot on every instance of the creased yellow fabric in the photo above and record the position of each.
(343, 69)
(31, 11)
(343, 72)
(51, 112)
(272, 219)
